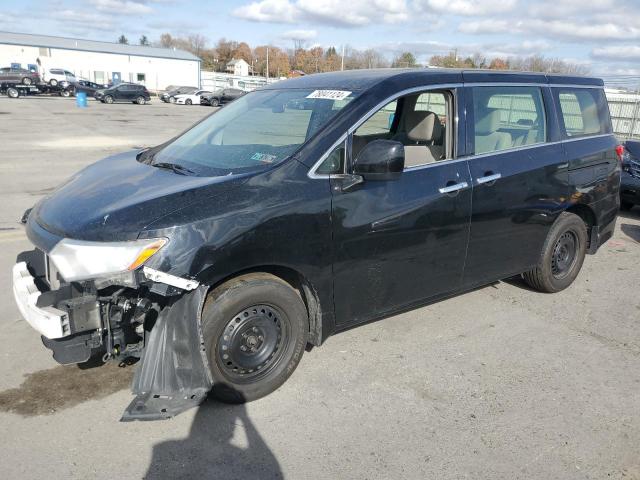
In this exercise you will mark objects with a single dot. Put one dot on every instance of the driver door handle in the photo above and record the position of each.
(454, 188)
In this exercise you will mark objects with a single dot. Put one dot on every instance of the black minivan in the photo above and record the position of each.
(219, 256)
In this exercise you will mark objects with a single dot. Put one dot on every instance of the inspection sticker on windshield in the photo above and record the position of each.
(263, 157)
(329, 94)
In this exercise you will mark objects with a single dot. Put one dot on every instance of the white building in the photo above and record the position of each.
(101, 62)
(238, 67)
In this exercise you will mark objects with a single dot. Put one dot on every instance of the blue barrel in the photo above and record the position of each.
(81, 99)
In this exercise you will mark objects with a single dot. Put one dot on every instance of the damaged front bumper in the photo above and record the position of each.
(150, 315)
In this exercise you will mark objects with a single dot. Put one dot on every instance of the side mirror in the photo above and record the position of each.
(380, 160)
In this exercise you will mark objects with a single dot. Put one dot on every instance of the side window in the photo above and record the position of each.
(379, 124)
(507, 117)
(334, 163)
(584, 112)
(419, 121)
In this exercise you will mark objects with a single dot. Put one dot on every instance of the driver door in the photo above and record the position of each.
(401, 242)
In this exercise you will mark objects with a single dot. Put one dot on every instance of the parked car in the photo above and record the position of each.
(219, 255)
(191, 98)
(124, 92)
(54, 76)
(18, 75)
(90, 88)
(169, 95)
(630, 179)
(221, 97)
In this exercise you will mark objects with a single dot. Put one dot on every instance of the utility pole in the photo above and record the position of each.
(267, 64)
(342, 61)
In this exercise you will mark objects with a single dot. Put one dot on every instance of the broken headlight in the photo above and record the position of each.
(79, 260)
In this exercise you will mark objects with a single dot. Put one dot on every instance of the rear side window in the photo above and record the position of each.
(584, 111)
(508, 117)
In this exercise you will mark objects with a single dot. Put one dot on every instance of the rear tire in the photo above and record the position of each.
(626, 206)
(140, 100)
(188, 101)
(53, 82)
(562, 255)
(13, 92)
(27, 81)
(255, 330)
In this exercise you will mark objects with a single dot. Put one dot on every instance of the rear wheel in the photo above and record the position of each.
(562, 255)
(108, 99)
(255, 329)
(13, 92)
(53, 82)
(27, 81)
(140, 100)
(65, 93)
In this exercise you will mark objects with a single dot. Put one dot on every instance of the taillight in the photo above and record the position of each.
(620, 152)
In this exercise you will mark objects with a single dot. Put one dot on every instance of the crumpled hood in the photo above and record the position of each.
(115, 198)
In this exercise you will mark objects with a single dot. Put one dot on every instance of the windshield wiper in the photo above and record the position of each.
(179, 169)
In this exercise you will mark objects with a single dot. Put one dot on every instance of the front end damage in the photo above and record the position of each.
(145, 314)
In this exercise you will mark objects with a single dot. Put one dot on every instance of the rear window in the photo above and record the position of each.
(584, 111)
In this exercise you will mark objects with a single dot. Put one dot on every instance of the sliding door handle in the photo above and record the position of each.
(454, 188)
(489, 178)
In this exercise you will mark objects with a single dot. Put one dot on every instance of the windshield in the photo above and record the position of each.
(253, 132)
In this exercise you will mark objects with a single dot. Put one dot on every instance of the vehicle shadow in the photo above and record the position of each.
(631, 231)
(211, 450)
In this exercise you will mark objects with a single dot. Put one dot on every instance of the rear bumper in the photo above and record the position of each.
(48, 321)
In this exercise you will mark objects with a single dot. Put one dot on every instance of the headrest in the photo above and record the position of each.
(489, 122)
(422, 126)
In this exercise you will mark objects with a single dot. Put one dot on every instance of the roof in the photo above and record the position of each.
(26, 39)
(235, 61)
(357, 80)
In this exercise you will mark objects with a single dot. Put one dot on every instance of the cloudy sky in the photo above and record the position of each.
(602, 33)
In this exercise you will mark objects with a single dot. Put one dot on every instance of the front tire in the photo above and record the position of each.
(255, 330)
(188, 101)
(214, 102)
(562, 255)
(108, 99)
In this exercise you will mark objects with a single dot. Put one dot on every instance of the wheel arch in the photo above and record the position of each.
(298, 282)
(589, 217)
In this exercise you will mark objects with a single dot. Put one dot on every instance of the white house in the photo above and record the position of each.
(238, 67)
(101, 62)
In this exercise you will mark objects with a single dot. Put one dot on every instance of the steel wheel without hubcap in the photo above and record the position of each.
(564, 255)
(252, 343)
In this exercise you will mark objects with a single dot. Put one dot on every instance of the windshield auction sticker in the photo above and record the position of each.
(329, 94)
